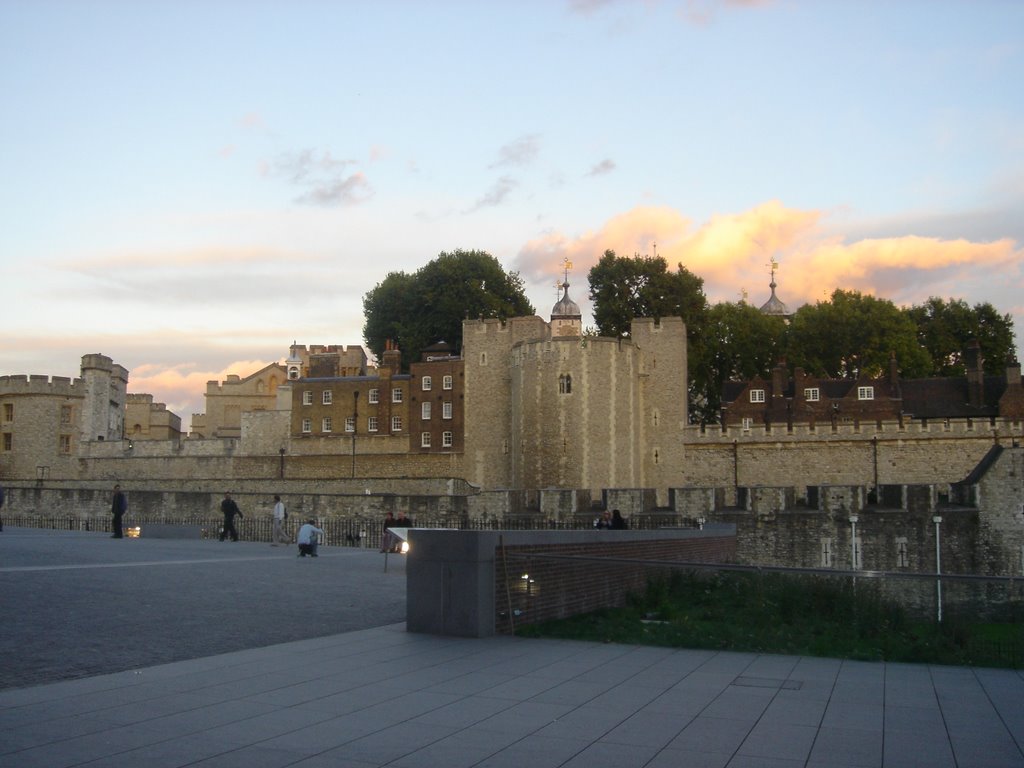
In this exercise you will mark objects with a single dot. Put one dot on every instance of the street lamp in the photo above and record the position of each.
(853, 542)
(355, 428)
(938, 567)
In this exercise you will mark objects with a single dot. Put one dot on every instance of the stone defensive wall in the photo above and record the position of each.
(868, 454)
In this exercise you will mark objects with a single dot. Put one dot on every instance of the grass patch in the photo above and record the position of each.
(800, 615)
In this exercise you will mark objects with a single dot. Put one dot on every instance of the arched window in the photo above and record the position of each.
(565, 384)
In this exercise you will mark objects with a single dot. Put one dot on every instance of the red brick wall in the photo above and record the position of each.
(568, 579)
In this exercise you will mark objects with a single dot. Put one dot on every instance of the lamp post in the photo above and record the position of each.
(853, 542)
(355, 428)
(938, 567)
(281, 468)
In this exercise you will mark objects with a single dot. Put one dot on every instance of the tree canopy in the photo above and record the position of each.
(945, 327)
(623, 288)
(854, 334)
(429, 305)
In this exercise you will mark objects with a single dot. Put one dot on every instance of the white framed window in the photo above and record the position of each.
(446, 439)
(396, 423)
(307, 426)
(374, 395)
(424, 439)
(446, 382)
(328, 397)
(812, 394)
(427, 383)
(371, 424)
(747, 423)
(865, 393)
(446, 409)
(396, 395)
(307, 397)
(326, 424)
(425, 411)
(757, 395)
(350, 423)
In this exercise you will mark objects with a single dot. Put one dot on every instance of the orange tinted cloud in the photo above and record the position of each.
(181, 388)
(731, 252)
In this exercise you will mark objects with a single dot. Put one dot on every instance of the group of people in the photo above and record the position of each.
(612, 521)
(308, 536)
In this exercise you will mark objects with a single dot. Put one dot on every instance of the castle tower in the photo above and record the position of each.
(106, 394)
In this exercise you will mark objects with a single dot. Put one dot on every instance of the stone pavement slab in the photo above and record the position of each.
(380, 696)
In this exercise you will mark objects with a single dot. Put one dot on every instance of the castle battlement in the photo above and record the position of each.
(935, 429)
(35, 384)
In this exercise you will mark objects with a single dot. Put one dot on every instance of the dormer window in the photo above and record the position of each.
(865, 393)
(812, 394)
(757, 395)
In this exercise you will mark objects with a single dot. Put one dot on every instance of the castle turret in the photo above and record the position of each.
(566, 319)
(106, 393)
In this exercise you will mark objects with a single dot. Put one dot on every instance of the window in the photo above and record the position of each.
(307, 397)
(374, 395)
(446, 410)
(8, 411)
(446, 439)
(307, 426)
(812, 394)
(757, 395)
(902, 557)
(747, 423)
(424, 440)
(371, 424)
(350, 423)
(8, 441)
(328, 397)
(826, 553)
(65, 444)
(446, 382)
(483, 358)
(396, 395)
(396, 423)
(65, 414)
(865, 393)
(565, 384)
(326, 424)
(427, 383)
(425, 411)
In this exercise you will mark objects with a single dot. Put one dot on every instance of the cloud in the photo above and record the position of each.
(731, 252)
(520, 152)
(605, 166)
(323, 179)
(496, 194)
(182, 387)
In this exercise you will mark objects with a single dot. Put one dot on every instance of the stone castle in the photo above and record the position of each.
(530, 417)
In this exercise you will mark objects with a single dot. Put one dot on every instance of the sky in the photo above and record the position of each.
(189, 187)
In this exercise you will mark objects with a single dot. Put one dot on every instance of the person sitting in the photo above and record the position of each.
(309, 538)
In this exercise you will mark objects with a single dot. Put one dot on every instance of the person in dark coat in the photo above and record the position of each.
(618, 521)
(118, 506)
(230, 509)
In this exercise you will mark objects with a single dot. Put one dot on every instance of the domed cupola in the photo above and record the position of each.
(566, 318)
(774, 306)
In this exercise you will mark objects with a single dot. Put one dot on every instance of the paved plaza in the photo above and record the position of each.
(168, 653)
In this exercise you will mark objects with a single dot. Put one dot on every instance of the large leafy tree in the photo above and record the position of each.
(944, 328)
(623, 288)
(739, 342)
(417, 310)
(853, 334)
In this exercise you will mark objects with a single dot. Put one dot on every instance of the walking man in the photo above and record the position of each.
(230, 509)
(118, 506)
(279, 536)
